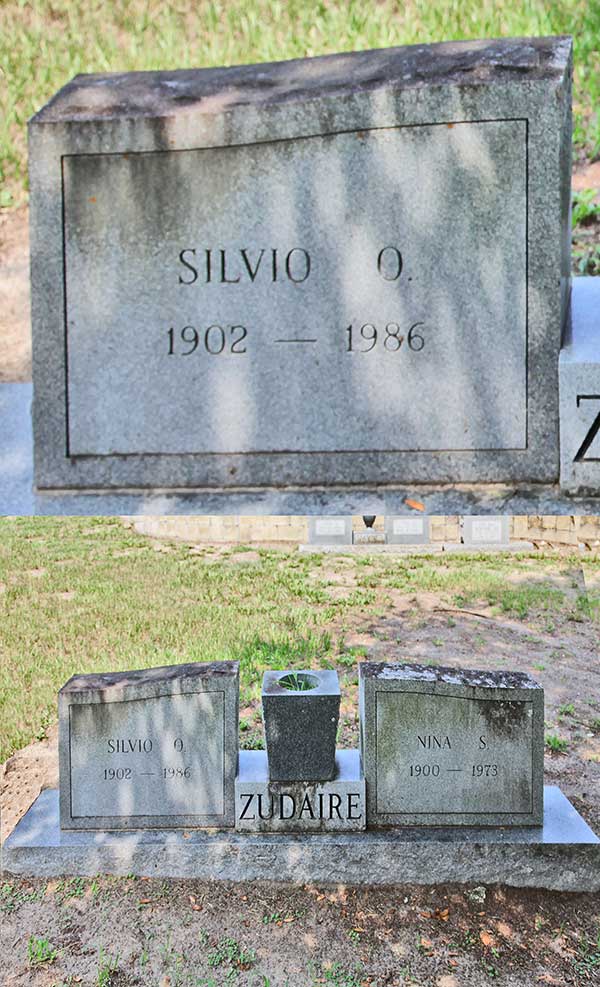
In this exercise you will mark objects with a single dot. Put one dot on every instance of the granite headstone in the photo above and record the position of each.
(482, 530)
(448, 746)
(155, 748)
(330, 530)
(220, 299)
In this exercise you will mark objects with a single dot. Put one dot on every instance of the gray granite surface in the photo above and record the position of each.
(265, 806)
(268, 351)
(561, 855)
(406, 530)
(301, 726)
(18, 496)
(579, 373)
(150, 748)
(485, 530)
(450, 746)
(330, 530)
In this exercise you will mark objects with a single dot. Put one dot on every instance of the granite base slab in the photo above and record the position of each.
(561, 855)
(19, 497)
(416, 549)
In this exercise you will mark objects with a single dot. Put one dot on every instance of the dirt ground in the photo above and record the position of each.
(187, 934)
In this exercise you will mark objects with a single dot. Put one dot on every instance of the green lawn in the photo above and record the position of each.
(83, 595)
(43, 44)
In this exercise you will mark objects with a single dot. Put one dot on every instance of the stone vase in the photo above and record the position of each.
(301, 724)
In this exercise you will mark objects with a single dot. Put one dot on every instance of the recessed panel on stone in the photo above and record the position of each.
(152, 748)
(447, 746)
(221, 298)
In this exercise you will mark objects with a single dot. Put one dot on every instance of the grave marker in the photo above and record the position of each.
(406, 530)
(482, 530)
(447, 746)
(580, 392)
(330, 530)
(155, 748)
(220, 299)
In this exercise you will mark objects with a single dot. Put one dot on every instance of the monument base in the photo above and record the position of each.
(368, 537)
(268, 806)
(561, 855)
(433, 548)
(18, 495)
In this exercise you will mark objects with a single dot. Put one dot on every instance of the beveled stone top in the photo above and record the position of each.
(117, 681)
(476, 678)
(213, 91)
(326, 682)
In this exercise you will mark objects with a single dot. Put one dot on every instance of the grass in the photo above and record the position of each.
(108, 966)
(90, 595)
(40, 951)
(44, 44)
(229, 952)
(556, 744)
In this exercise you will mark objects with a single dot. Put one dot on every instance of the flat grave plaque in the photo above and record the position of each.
(221, 299)
(447, 746)
(152, 748)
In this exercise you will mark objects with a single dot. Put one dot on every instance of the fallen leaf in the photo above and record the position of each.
(504, 929)
(289, 918)
(187, 836)
(415, 504)
(486, 938)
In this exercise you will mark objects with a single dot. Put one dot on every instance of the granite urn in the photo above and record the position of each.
(301, 712)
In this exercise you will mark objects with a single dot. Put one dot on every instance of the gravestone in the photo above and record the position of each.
(136, 734)
(448, 746)
(330, 530)
(580, 392)
(406, 530)
(155, 748)
(483, 530)
(368, 536)
(219, 299)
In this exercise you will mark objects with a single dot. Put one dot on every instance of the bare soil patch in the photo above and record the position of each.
(188, 933)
